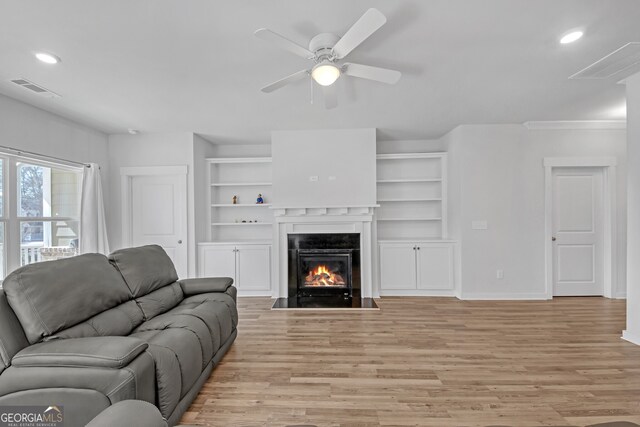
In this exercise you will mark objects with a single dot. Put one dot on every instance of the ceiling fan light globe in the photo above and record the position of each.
(325, 74)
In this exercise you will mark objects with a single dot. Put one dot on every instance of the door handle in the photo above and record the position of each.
(553, 239)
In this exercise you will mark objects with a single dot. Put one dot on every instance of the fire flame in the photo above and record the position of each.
(322, 276)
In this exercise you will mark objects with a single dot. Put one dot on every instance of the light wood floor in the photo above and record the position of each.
(427, 361)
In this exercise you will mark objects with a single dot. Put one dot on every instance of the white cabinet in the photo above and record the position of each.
(417, 268)
(398, 266)
(248, 264)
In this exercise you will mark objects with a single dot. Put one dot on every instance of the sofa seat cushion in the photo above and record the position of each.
(215, 309)
(145, 268)
(178, 363)
(193, 325)
(48, 297)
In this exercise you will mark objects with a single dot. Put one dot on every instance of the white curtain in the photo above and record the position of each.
(93, 227)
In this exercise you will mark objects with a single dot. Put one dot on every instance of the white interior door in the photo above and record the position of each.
(578, 222)
(157, 214)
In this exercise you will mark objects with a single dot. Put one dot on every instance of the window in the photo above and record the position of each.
(39, 221)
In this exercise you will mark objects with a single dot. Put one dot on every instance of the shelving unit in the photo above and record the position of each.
(412, 194)
(244, 177)
(415, 256)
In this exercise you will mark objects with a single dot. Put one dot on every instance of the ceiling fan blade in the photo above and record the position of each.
(372, 73)
(330, 96)
(359, 32)
(283, 42)
(283, 82)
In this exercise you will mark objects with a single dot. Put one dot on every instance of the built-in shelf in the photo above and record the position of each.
(401, 181)
(409, 219)
(410, 200)
(412, 193)
(242, 179)
(238, 205)
(239, 184)
(240, 223)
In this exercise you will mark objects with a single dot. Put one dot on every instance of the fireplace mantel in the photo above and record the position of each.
(303, 211)
(322, 219)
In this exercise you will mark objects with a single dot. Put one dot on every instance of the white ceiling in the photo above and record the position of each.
(194, 65)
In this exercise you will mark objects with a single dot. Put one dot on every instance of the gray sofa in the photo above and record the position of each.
(89, 331)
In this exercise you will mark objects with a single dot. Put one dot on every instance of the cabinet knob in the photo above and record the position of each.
(553, 239)
(418, 247)
(179, 242)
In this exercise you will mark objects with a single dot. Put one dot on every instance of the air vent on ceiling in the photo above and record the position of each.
(621, 63)
(35, 88)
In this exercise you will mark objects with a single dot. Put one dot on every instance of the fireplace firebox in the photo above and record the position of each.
(324, 265)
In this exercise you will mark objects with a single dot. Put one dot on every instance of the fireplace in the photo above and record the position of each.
(324, 265)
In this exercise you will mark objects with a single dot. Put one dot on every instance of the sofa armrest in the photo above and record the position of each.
(205, 284)
(129, 412)
(97, 352)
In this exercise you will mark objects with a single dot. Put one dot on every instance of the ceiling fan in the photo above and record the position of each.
(326, 50)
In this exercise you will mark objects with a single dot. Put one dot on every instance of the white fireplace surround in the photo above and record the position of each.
(307, 220)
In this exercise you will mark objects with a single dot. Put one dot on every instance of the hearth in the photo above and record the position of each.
(324, 265)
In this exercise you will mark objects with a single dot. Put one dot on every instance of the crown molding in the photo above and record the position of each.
(577, 124)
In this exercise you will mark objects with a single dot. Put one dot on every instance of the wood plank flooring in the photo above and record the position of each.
(429, 362)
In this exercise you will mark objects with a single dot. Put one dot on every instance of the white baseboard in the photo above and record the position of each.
(254, 293)
(503, 296)
(416, 293)
(620, 295)
(632, 338)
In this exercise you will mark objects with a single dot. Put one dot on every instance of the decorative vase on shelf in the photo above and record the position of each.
(234, 200)
(260, 200)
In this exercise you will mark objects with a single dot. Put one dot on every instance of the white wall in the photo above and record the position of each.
(153, 149)
(29, 128)
(202, 149)
(411, 146)
(347, 155)
(632, 332)
(497, 175)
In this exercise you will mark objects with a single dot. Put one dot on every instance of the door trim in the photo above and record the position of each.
(608, 166)
(126, 176)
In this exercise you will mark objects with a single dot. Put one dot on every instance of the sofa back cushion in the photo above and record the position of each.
(145, 268)
(160, 301)
(54, 295)
(12, 338)
(117, 321)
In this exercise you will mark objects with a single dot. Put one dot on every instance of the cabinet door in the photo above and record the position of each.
(254, 268)
(397, 266)
(435, 266)
(218, 261)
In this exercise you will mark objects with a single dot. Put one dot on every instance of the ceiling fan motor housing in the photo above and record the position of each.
(322, 44)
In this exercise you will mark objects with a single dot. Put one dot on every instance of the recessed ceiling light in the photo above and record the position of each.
(133, 131)
(48, 58)
(571, 37)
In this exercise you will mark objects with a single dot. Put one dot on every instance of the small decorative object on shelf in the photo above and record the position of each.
(260, 200)
(234, 200)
